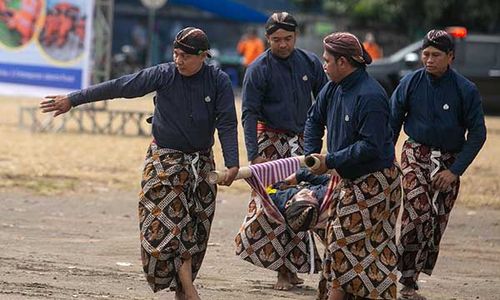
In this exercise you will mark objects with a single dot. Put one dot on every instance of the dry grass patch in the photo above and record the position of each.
(49, 163)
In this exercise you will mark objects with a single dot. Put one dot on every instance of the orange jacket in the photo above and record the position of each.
(250, 49)
(373, 49)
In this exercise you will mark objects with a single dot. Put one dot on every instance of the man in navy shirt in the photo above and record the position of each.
(177, 202)
(360, 254)
(438, 107)
(278, 89)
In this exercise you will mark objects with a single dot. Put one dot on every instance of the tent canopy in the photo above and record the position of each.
(226, 9)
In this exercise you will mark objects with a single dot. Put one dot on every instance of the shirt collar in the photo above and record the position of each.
(289, 58)
(350, 80)
(437, 80)
(197, 74)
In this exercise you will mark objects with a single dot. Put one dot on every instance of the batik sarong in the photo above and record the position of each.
(361, 255)
(426, 211)
(176, 208)
(269, 244)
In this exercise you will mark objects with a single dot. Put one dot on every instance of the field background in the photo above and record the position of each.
(69, 227)
(55, 163)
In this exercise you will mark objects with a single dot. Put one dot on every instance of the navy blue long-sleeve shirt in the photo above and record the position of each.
(438, 112)
(279, 93)
(356, 115)
(187, 110)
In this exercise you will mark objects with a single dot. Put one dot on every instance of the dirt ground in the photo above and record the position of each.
(69, 228)
(86, 246)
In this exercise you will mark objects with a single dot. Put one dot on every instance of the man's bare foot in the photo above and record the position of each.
(283, 282)
(191, 294)
(166, 295)
(294, 279)
(179, 295)
(192, 297)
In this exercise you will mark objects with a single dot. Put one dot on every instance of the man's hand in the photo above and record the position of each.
(292, 179)
(259, 160)
(230, 176)
(443, 180)
(60, 104)
(322, 168)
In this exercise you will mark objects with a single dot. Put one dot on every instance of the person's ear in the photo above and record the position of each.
(340, 61)
(451, 56)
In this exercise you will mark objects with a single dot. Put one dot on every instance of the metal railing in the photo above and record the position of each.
(112, 122)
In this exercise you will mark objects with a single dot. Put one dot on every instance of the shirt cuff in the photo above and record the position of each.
(252, 155)
(330, 161)
(76, 98)
(301, 174)
(456, 170)
(232, 164)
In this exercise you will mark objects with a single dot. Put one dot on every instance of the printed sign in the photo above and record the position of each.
(44, 46)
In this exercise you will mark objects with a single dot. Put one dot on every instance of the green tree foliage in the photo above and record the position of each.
(416, 15)
(308, 5)
(363, 11)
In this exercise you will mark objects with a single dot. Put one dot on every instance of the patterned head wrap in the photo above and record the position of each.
(302, 211)
(438, 39)
(192, 41)
(281, 20)
(348, 45)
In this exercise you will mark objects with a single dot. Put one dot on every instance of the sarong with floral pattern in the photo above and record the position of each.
(361, 257)
(176, 208)
(264, 242)
(425, 212)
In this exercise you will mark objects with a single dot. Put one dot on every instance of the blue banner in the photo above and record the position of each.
(63, 78)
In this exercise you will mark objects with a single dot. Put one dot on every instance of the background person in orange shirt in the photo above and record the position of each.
(250, 46)
(372, 47)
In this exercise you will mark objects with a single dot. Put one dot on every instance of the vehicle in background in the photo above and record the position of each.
(477, 57)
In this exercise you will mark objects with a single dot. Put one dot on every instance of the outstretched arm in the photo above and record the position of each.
(128, 86)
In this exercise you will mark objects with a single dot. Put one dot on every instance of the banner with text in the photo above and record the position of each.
(44, 46)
